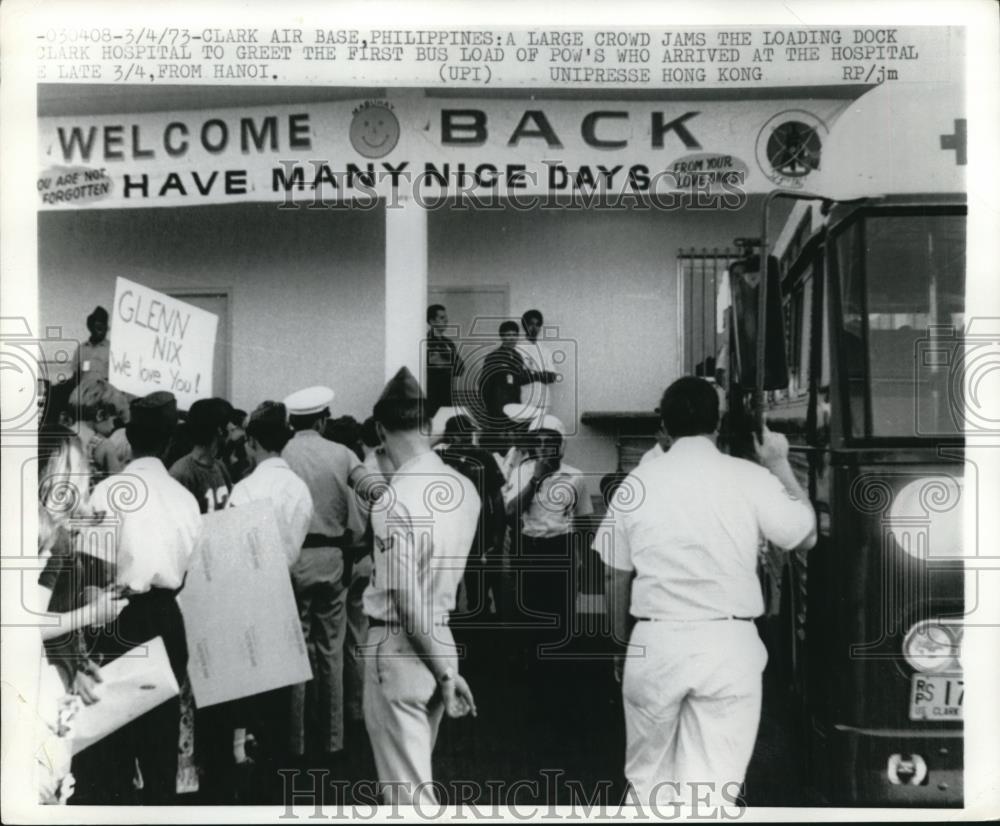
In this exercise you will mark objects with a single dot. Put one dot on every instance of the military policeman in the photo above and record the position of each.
(329, 470)
(680, 546)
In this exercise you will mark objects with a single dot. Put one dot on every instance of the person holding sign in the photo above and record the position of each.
(329, 470)
(203, 473)
(423, 529)
(271, 479)
(157, 526)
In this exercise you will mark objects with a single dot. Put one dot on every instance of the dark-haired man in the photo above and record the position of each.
(329, 470)
(412, 677)
(234, 451)
(680, 545)
(157, 528)
(444, 364)
(204, 474)
(460, 450)
(201, 471)
(273, 481)
(545, 498)
(502, 377)
(538, 361)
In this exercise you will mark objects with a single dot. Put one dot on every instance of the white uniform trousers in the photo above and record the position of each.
(403, 711)
(692, 695)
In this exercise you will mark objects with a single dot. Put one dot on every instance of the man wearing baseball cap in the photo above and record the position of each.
(330, 471)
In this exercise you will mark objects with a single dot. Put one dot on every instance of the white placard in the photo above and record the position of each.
(131, 685)
(243, 630)
(160, 343)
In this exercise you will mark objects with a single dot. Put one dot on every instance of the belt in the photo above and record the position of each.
(154, 592)
(395, 624)
(318, 540)
(707, 619)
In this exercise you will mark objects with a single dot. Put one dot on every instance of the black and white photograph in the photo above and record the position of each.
(487, 412)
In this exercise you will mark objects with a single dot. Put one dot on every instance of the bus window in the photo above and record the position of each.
(903, 283)
(849, 261)
(799, 357)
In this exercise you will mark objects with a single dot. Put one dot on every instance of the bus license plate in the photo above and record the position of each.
(936, 697)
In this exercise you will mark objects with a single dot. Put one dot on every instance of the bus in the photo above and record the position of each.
(848, 339)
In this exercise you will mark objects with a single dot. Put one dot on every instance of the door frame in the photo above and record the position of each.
(503, 289)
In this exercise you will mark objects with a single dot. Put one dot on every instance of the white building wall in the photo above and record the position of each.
(307, 289)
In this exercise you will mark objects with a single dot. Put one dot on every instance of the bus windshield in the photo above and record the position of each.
(902, 280)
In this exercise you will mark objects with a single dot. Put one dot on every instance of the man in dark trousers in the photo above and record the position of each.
(444, 364)
(462, 453)
(500, 382)
(157, 528)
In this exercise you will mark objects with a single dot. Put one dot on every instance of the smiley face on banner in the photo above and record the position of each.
(374, 130)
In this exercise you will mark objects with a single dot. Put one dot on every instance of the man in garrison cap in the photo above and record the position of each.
(423, 528)
(157, 528)
(93, 355)
(330, 471)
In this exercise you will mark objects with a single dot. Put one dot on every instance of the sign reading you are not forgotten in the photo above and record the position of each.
(160, 343)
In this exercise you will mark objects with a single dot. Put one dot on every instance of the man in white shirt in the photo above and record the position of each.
(158, 525)
(423, 527)
(545, 498)
(680, 546)
(538, 362)
(273, 480)
(661, 446)
(274, 485)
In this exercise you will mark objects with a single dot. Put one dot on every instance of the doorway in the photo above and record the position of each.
(474, 314)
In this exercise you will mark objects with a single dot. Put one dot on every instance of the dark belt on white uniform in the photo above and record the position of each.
(706, 619)
(319, 540)
(395, 624)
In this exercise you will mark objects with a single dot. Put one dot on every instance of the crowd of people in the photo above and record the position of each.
(397, 540)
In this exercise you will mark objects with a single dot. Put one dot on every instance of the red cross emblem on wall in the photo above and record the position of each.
(957, 141)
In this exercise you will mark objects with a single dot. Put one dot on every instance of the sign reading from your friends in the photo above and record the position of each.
(160, 343)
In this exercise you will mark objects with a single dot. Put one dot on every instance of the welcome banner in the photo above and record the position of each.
(421, 147)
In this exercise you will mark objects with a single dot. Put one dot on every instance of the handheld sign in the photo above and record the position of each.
(243, 630)
(131, 685)
(160, 343)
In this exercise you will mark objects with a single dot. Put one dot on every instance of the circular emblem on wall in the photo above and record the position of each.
(789, 147)
(374, 129)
